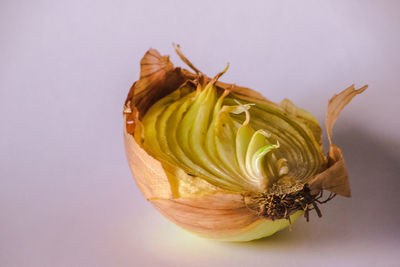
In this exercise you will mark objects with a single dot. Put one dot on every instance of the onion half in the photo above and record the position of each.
(222, 161)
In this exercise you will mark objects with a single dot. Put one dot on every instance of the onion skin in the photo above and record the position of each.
(220, 215)
(190, 202)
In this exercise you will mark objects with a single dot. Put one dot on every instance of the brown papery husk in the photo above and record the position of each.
(211, 211)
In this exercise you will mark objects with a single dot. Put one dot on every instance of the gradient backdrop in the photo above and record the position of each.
(67, 197)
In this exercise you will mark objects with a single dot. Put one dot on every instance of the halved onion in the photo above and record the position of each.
(222, 161)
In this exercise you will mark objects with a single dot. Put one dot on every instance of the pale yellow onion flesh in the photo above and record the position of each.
(233, 145)
(190, 201)
(262, 228)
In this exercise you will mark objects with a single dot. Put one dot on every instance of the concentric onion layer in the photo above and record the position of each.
(231, 143)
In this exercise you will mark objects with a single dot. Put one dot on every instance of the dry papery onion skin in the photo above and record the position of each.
(222, 161)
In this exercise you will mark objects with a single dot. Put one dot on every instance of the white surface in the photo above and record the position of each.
(67, 197)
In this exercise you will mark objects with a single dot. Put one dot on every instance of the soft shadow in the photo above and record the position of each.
(373, 210)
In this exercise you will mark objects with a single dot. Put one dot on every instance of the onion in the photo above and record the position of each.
(222, 161)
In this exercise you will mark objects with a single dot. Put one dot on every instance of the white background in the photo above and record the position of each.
(67, 197)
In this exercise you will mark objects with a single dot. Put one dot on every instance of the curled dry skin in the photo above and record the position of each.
(221, 160)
